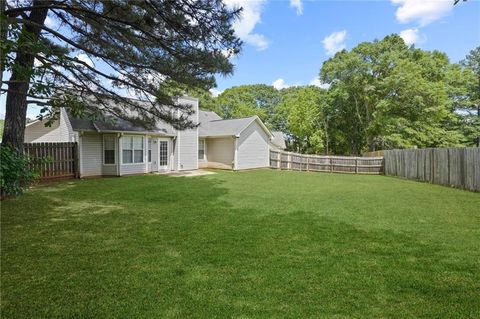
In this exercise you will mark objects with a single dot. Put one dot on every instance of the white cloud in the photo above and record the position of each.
(316, 81)
(49, 22)
(422, 11)
(250, 16)
(411, 36)
(280, 84)
(215, 92)
(84, 58)
(335, 42)
(298, 5)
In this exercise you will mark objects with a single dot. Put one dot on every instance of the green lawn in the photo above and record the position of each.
(256, 244)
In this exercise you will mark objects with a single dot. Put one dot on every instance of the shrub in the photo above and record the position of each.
(16, 172)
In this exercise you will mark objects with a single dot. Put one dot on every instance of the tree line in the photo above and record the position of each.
(381, 95)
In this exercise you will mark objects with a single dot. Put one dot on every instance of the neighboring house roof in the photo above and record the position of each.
(279, 140)
(231, 127)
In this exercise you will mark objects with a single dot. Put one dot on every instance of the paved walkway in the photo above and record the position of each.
(197, 172)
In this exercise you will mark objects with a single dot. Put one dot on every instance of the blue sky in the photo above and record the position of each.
(295, 49)
(286, 42)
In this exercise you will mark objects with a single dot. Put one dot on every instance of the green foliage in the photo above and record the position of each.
(16, 174)
(385, 94)
(248, 100)
(144, 46)
(303, 109)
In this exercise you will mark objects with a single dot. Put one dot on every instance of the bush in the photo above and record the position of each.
(16, 172)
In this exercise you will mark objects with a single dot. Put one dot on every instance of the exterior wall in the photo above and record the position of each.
(137, 168)
(187, 140)
(253, 148)
(60, 131)
(91, 154)
(153, 166)
(220, 152)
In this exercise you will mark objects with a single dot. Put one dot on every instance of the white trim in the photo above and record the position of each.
(149, 138)
(80, 153)
(119, 153)
(235, 155)
(103, 150)
(256, 118)
(162, 168)
(204, 149)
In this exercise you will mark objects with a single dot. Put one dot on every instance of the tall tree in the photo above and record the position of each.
(306, 126)
(470, 108)
(248, 100)
(385, 94)
(141, 46)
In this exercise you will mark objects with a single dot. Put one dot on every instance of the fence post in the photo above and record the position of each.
(330, 164)
(289, 161)
(308, 160)
(279, 160)
(356, 165)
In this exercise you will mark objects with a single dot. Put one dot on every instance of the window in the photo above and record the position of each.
(132, 149)
(108, 149)
(163, 153)
(201, 149)
(149, 150)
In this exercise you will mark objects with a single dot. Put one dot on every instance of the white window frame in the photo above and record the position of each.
(149, 150)
(134, 149)
(167, 166)
(204, 149)
(114, 150)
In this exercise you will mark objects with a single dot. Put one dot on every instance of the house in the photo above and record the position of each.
(119, 148)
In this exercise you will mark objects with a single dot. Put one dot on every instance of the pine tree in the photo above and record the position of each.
(149, 47)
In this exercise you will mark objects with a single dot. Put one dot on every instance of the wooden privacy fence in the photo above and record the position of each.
(54, 160)
(324, 163)
(458, 167)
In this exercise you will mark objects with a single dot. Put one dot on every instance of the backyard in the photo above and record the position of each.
(248, 244)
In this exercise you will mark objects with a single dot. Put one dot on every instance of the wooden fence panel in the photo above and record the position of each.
(319, 163)
(457, 167)
(54, 160)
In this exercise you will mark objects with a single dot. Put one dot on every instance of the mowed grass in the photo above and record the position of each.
(256, 244)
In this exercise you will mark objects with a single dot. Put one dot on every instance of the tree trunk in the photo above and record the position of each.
(16, 104)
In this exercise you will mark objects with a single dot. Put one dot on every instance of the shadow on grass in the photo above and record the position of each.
(173, 247)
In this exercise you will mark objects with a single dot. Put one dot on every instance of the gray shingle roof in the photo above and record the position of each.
(279, 140)
(211, 125)
(224, 127)
(116, 124)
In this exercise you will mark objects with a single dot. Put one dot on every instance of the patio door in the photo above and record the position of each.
(163, 154)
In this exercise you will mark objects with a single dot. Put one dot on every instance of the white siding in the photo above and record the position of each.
(138, 168)
(91, 153)
(154, 164)
(109, 170)
(220, 152)
(187, 141)
(59, 131)
(253, 149)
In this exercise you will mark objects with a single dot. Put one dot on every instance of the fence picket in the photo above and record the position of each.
(322, 163)
(62, 159)
(458, 167)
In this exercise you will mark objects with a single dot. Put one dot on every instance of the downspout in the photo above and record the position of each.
(118, 154)
(235, 156)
